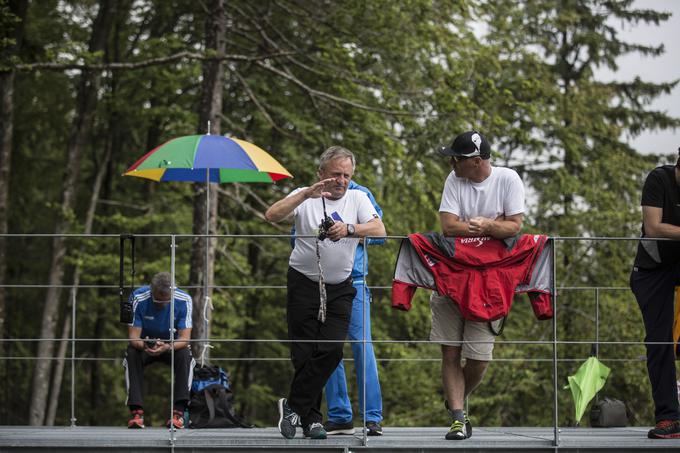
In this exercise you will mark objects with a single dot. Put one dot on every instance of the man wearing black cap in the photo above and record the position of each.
(478, 200)
(655, 276)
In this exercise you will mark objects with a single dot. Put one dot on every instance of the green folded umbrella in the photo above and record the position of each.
(587, 381)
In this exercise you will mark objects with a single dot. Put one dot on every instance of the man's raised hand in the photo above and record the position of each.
(316, 190)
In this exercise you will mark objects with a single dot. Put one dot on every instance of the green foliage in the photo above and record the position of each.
(390, 80)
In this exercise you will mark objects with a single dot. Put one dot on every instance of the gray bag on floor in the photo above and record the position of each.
(608, 412)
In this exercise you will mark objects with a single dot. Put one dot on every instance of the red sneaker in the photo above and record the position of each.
(177, 420)
(665, 429)
(137, 420)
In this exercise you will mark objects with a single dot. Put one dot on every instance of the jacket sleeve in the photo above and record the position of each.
(540, 284)
(409, 274)
(402, 295)
(541, 304)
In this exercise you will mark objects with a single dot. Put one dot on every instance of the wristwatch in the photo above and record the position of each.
(350, 230)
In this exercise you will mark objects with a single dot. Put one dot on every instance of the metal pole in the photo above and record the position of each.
(364, 320)
(597, 323)
(171, 328)
(597, 331)
(556, 433)
(73, 357)
(206, 299)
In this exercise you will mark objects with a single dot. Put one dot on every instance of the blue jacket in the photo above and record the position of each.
(358, 268)
(155, 322)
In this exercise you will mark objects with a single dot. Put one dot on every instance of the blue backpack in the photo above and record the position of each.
(209, 375)
(212, 401)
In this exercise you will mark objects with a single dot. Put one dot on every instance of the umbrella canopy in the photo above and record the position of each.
(213, 158)
(587, 381)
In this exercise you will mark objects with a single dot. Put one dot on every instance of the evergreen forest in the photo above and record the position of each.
(90, 86)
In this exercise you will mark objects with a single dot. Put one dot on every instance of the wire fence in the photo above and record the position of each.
(583, 304)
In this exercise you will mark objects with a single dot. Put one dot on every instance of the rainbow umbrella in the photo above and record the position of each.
(213, 158)
(208, 158)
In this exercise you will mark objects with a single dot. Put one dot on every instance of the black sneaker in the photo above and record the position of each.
(288, 419)
(665, 429)
(314, 431)
(457, 431)
(373, 429)
(333, 428)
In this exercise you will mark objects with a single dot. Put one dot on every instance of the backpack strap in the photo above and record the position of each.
(231, 415)
(210, 402)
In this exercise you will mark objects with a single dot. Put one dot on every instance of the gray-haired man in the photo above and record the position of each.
(317, 265)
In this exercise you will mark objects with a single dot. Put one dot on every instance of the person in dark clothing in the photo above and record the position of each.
(320, 290)
(655, 275)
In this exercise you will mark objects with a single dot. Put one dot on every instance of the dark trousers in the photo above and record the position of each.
(655, 293)
(315, 362)
(134, 363)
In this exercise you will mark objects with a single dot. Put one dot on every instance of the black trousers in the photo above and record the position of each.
(315, 362)
(655, 293)
(134, 363)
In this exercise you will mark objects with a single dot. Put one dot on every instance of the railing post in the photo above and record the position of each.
(597, 331)
(73, 357)
(364, 317)
(597, 323)
(556, 433)
(171, 327)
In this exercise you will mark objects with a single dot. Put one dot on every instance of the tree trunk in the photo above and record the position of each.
(61, 355)
(59, 370)
(18, 8)
(6, 132)
(80, 130)
(202, 269)
(96, 368)
(246, 368)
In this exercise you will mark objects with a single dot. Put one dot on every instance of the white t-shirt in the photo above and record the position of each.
(502, 193)
(336, 257)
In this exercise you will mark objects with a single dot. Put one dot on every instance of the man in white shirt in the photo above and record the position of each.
(320, 291)
(478, 200)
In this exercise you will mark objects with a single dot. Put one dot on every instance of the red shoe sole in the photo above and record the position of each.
(665, 436)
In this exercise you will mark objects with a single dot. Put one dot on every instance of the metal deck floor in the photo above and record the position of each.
(403, 440)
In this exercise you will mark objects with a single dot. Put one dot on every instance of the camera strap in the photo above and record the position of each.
(322, 287)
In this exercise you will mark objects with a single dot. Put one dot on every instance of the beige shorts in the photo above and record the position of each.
(451, 329)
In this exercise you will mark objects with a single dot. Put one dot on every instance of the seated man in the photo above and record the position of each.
(149, 335)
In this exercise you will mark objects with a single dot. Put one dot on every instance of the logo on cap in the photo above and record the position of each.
(477, 140)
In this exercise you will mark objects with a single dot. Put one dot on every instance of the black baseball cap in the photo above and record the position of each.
(468, 144)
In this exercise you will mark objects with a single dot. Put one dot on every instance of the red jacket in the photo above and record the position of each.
(480, 274)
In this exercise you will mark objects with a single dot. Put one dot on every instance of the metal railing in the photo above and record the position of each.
(173, 238)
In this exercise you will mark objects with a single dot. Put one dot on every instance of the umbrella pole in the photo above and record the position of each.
(206, 299)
